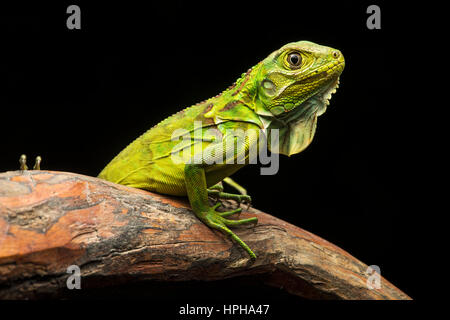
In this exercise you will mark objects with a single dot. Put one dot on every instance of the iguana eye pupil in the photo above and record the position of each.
(294, 59)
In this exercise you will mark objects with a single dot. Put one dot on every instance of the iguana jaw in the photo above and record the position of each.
(316, 104)
(296, 130)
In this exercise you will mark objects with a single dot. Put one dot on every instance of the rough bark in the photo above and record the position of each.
(51, 220)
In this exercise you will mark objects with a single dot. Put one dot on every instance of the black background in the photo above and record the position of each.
(78, 97)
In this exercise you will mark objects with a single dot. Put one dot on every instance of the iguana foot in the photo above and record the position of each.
(216, 220)
(239, 198)
(23, 163)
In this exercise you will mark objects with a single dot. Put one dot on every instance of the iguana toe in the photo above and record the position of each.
(216, 220)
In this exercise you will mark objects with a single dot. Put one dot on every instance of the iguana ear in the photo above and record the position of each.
(293, 137)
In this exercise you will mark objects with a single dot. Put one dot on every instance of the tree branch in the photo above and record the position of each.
(50, 220)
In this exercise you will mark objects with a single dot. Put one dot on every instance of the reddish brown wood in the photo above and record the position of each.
(51, 220)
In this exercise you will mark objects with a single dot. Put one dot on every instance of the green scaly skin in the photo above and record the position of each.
(286, 91)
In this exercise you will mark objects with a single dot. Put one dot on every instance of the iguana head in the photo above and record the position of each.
(294, 85)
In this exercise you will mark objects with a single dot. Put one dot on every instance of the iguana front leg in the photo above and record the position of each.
(198, 197)
(234, 146)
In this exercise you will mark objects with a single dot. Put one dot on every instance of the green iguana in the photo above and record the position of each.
(286, 91)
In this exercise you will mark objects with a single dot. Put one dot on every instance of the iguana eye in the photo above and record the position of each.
(294, 59)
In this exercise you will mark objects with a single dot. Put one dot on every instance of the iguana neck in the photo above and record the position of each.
(244, 91)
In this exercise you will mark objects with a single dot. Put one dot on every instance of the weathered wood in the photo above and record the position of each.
(51, 220)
